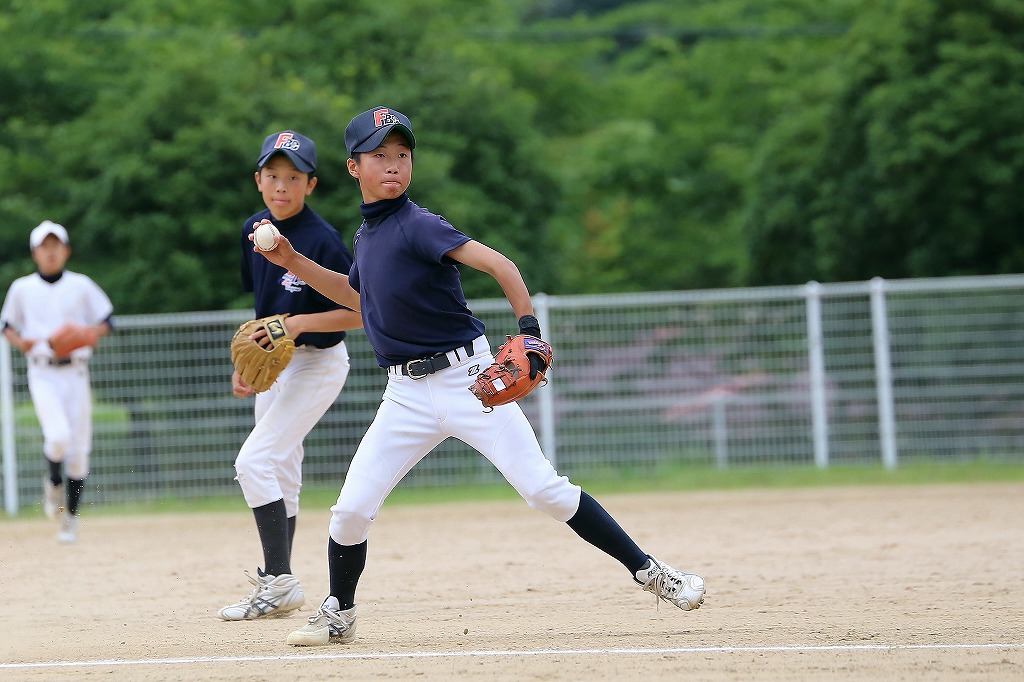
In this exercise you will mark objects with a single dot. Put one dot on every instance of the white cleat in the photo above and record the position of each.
(685, 590)
(328, 625)
(68, 534)
(272, 596)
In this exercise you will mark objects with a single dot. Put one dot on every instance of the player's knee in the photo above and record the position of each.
(349, 527)
(250, 468)
(255, 481)
(57, 447)
(558, 500)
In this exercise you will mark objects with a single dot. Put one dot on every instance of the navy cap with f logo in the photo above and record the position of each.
(367, 131)
(299, 148)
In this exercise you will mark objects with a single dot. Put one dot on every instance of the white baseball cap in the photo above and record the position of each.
(45, 228)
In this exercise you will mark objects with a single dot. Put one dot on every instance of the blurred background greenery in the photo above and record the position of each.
(603, 145)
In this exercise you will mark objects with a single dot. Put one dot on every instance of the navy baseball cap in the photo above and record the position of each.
(299, 148)
(367, 131)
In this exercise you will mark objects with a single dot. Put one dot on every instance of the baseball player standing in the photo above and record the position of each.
(36, 306)
(406, 282)
(269, 464)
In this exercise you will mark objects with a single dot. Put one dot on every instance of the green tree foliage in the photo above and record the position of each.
(151, 165)
(915, 168)
(602, 146)
(657, 185)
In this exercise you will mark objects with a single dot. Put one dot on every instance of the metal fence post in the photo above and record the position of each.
(883, 373)
(548, 442)
(721, 432)
(7, 430)
(816, 374)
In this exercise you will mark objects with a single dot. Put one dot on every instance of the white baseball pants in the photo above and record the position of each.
(415, 416)
(63, 402)
(269, 463)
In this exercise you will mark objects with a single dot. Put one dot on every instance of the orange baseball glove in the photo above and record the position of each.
(510, 377)
(70, 337)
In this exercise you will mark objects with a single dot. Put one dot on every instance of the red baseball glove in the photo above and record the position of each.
(70, 337)
(510, 377)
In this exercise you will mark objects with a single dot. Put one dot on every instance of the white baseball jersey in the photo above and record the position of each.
(36, 308)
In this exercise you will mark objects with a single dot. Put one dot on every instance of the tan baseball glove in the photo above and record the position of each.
(260, 366)
(510, 377)
(70, 337)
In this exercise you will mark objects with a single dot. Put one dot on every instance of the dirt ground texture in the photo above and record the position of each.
(878, 583)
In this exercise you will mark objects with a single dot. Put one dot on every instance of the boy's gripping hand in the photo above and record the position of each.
(268, 241)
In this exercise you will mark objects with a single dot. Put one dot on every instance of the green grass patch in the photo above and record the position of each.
(677, 478)
(708, 478)
(102, 413)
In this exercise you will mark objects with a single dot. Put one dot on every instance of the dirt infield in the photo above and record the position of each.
(907, 583)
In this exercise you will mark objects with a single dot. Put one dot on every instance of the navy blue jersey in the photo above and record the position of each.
(276, 290)
(409, 291)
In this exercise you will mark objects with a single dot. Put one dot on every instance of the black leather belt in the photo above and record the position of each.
(417, 369)
(53, 362)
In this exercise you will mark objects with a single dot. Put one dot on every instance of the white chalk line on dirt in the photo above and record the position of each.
(514, 653)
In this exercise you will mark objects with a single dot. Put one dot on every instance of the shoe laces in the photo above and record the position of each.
(336, 622)
(665, 582)
(257, 587)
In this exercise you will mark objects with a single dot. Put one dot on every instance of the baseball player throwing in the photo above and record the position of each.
(406, 282)
(40, 308)
(269, 464)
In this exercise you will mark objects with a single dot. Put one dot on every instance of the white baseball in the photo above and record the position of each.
(264, 237)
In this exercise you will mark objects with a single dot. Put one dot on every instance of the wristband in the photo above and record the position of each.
(529, 325)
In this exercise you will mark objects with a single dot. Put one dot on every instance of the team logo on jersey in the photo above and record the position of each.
(292, 283)
(287, 141)
(384, 117)
(475, 369)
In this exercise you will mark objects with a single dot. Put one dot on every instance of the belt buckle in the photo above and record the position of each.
(409, 372)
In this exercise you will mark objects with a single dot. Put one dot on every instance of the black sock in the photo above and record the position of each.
(272, 523)
(346, 564)
(74, 494)
(292, 522)
(55, 472)
(592, 523)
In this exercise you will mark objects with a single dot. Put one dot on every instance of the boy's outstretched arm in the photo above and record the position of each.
(482, 257)
(331, 284)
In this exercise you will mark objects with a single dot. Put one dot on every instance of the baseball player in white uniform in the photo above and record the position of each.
(35, 307)
(405, 281)
(269, 463)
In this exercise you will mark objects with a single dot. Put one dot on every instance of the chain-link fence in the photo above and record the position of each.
(865, 372)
